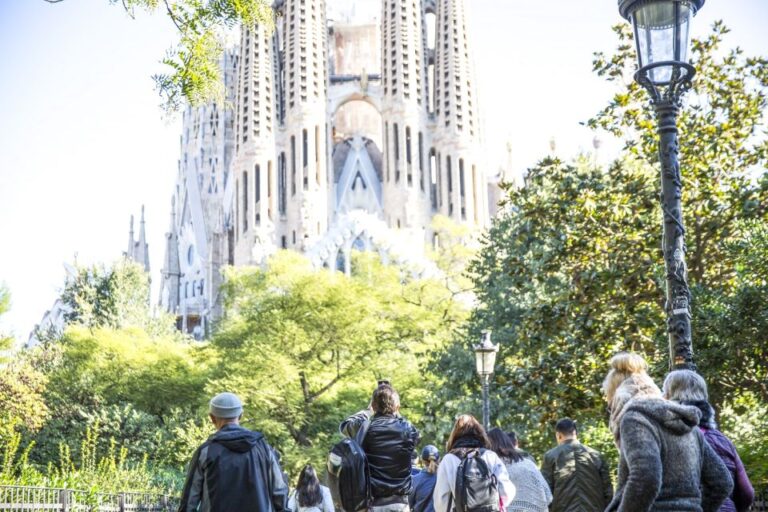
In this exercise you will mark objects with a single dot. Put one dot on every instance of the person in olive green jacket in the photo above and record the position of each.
(578, 476)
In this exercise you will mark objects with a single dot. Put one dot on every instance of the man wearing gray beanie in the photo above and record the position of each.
(235, 470)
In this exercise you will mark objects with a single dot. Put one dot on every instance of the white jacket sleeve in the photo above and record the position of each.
(446, 480)
(507, 489)
(327, 499)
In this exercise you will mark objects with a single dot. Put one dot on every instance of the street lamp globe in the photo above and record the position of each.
(485, 356)
(662, 36)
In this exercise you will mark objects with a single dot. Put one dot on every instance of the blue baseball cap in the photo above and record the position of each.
(430, 452)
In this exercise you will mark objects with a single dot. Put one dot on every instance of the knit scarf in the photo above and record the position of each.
(707, 413)
(464, 445)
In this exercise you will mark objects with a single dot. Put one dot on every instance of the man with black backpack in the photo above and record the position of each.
(388, 441)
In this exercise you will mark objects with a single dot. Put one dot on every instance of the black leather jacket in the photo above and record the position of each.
(388, 445)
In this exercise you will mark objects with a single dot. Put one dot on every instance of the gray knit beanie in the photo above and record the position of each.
(226, 405)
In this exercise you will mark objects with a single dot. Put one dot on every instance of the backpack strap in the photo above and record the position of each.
(457, 497)
(362, 432)
(360, 439)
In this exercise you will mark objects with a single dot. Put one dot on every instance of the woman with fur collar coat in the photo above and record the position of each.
(664, 462)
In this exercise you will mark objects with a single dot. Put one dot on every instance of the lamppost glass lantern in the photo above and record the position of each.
(485, 360)
(662, 36)
(485, 356)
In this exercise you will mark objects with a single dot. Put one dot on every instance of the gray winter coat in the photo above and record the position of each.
(665, 462)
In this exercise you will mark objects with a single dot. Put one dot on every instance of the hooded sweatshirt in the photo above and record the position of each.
(235, 470)
(665, 463)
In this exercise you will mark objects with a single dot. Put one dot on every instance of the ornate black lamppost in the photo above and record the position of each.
(662, 35)
(485, 360)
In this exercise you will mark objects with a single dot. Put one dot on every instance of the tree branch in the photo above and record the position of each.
(170, 15)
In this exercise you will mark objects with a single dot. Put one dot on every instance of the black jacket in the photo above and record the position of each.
(235, 470)
(388, 445)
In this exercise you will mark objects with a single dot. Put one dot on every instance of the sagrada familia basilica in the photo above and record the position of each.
(342, 130)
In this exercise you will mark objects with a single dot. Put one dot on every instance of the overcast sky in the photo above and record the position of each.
(83, 144)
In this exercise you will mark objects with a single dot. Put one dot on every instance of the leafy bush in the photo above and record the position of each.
(95, 472)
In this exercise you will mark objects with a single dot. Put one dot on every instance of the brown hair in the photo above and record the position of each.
(467, 426)
(385, 400)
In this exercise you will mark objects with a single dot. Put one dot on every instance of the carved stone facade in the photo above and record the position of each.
(351, 128)
(196, 244)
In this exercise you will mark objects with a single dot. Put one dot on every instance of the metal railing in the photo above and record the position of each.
(23, 499)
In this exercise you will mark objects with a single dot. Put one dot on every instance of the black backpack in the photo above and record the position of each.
(349, 477)
(477, 489)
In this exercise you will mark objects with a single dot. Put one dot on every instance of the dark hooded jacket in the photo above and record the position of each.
(578, 477)
(665, 463)
(743, 493)
(235, 470)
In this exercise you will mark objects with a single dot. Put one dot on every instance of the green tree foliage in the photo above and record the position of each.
(6, 342)
(21, 399)
(731, 321)
(305, 348)
(573, 271)
(194, 76)
(21, 386)
(115, 296)
(566, 278)
(92, 471)
(139, 388)
(724, 153)
(743, 419)
(723, 150)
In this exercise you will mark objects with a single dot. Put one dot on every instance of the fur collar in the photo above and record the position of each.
(637, 386)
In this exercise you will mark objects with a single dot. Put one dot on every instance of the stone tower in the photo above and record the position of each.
(332, 124)
(256, 214)
(302, 145)
(461, 183)
(138, 249)
(404, 113)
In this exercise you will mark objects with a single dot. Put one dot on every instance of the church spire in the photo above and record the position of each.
(171, 273)
(461, 178)
(138, 250)
(404, 113)
(129, 252)
(142, 251)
